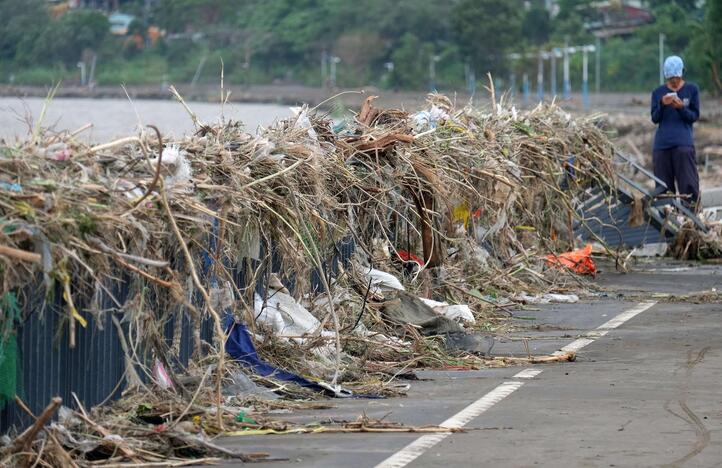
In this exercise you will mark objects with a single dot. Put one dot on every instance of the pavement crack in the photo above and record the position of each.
(691, 418)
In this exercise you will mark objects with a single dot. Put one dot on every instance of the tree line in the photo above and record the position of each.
(405, 44)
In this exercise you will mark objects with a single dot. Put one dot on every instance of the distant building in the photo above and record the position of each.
(106, 5)
(120, 23)
(618, 18)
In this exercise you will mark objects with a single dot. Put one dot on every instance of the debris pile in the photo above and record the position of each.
(447, 211)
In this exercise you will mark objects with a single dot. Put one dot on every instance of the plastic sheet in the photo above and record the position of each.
(458, 312)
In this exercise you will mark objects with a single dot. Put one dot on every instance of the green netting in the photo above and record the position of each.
(8, 370)
(9, 316)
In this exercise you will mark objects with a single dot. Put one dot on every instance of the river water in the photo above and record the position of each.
(113, 118)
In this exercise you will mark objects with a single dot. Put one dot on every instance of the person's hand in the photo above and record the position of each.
(667, 99)
(677, 103)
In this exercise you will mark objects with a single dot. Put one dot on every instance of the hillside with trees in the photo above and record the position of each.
(406, 44)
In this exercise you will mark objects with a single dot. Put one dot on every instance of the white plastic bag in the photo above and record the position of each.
(383, 282)
(458, 312)
(285, 316)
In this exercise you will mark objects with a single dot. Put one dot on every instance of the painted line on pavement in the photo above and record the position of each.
(416, 448)
(527, 373)
(605, 328)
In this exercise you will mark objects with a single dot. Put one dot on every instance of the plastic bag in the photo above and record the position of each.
(579, 261)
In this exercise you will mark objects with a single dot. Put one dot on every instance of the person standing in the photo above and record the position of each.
(675, 109)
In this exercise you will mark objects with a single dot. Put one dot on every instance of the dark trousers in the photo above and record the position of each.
(678, 164)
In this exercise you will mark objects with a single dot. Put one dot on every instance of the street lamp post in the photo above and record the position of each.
(389, 72)
(567, 84)
(585, 74)
(82, 67)
(540, 77)
(512, 78)
(555, 53)
(661, 57)
(470, 78)
(334, 62)
(432, 71)
(324, 68)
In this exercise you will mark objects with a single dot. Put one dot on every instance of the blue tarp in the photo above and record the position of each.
(240, 347)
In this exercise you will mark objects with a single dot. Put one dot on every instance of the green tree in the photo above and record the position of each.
(536, 25)
(408, 62)
(181, 15)
(688, 5)
(22, 22)
(486, 30)
(65, 38)
(677, 25)
(711, 43)
(582, 8)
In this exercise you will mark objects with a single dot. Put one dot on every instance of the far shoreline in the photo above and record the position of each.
(294, 95)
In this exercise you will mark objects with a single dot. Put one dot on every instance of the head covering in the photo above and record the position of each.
(673, 67)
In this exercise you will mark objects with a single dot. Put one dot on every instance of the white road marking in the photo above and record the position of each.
(416, 448)
(527, 373)
(605, 328)
(575, 346)
(627, 315)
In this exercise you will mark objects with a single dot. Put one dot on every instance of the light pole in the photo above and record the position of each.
(525, 86)
(554, 55)
(543, 55)
(432, 71)
(389, 71)
(567, 85)
(540, 77)
(470, 78)
(512, 78)
(585, 74)
(334, 62)
(91, 75)
(82, 67)
(324, 68)
(661, 58)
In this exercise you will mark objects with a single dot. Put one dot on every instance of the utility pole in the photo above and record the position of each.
(661, 58)
(553, 72)
(525, 86)
(567, 85)
(388, 75)
(512, 79)
(91, 75)
(540, 77)
(585, 75)
(432, 71)
(472, 81)
(146, 14)
(199, 69)
(470, 78)
(82, 67)
(334, 62)
(324, 68)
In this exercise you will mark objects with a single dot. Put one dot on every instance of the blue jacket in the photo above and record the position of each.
(675, 125)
